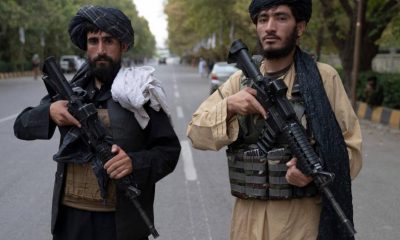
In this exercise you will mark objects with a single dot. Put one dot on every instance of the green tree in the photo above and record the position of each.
(45, 24)
(331, 29)
(181, 35)
(391, 35)
(207, 27)
(11, 14)
(340, 20)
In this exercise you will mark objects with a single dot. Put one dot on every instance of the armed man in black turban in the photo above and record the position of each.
(110, 20)
(87, 202)
(301, 9)
(275, 200)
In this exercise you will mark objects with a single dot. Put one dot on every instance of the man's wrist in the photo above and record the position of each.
(229, 112)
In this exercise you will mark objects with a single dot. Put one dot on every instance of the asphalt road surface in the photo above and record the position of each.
(192, 203)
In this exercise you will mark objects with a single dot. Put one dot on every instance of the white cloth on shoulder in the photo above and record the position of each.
(135, 86)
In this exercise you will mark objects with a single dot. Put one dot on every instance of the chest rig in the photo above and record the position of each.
(254, 175)
(82, 186)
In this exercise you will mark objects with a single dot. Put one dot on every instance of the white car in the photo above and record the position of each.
(220, 72)
(70, 63)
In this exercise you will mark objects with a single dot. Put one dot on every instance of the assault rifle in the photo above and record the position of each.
(282, 119)
(93, 132)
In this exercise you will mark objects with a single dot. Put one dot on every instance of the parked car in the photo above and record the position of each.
(220, 72)
(162, 60)
(70, 63)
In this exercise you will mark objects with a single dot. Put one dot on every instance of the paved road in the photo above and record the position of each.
(194, 202)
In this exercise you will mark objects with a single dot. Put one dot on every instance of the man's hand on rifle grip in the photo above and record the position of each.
(294, 176)
(120, 165)
(60, 115)
(244, 102)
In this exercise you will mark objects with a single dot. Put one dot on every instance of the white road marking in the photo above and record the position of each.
(179, 112)
(190, 210)
(203, 206)
(8, 118)
(188, 164)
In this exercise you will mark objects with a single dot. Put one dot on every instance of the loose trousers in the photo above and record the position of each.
(76, 224)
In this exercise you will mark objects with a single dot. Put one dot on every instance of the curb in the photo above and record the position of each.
(383, 115)
(5, 75)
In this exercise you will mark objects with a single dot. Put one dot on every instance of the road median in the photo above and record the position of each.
(382, 115)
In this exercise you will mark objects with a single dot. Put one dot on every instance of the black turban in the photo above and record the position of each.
(302, 8)
(109, 20)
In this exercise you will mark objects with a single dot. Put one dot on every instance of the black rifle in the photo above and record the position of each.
(282, 119)
(93, 132)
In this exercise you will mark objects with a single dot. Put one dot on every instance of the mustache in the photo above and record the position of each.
(269, 36)
(103, 58)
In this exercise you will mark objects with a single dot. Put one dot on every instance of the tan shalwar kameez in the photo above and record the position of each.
(274, 219)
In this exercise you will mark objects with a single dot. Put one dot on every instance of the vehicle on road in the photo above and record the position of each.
(70, 63)
(220, 72)
(162, 60)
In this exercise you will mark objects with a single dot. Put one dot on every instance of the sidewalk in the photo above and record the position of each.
(382, 115)
(15, 74)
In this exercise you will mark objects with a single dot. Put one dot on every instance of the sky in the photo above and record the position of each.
(153, 11)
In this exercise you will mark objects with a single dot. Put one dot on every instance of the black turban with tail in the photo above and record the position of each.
(109, 20)
(302, 8)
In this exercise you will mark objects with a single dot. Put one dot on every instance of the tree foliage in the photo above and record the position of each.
(45, 24)
(391, 35)
(341, 18)
(191, 23)
(206, 27)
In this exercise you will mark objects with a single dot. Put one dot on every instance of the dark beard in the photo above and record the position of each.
(105, 73)
(275, 54)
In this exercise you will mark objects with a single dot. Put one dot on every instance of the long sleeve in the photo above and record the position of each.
(345, 116)
(209, 128)
(34, 122)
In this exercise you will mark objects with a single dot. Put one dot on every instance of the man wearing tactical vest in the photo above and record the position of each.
(87, 202)
(274, 199)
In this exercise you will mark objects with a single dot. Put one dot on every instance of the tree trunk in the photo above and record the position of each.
(320, 40)
(346, 57)
(369, 55)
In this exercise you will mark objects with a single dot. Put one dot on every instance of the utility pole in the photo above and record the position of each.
(356, 55)
(21, 60)
(42, 44)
